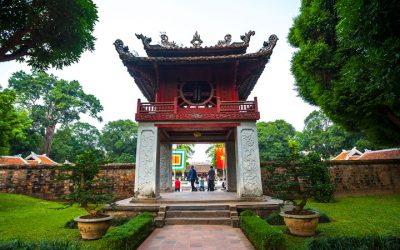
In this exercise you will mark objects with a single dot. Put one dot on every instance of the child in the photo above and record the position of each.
(202, 184)
(177, 185)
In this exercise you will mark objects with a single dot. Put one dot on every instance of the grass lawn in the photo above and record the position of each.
(30, 219)
(355, 216)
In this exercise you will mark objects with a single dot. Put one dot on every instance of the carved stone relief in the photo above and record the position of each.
(146, 168)
(250, 166)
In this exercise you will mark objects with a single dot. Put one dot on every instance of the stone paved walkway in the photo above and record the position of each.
(205, 237)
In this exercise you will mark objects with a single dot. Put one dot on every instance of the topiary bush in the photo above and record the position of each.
(275, 219)
(261, 234)
(41, 245)
(349, 242)
(130, 234)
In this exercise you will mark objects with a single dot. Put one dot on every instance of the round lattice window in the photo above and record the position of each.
(196, 92)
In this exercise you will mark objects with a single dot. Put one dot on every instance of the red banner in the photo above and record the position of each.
(220, 156)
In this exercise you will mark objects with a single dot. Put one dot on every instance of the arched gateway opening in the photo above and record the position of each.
(197, 94)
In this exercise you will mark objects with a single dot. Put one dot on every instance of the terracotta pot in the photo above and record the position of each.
(93, 228)
(301, 225)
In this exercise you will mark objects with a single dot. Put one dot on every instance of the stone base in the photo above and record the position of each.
(144, 199)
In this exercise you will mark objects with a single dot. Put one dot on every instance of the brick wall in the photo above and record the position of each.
(38, 180)
(365, 177)
(359, 177)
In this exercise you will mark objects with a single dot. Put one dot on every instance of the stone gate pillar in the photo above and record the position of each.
(230, 166)
(165, 167)
(248, 162)
(147, 175)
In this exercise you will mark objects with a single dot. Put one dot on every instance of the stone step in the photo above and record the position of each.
(197, 213)
(198, 221)
(196, 207)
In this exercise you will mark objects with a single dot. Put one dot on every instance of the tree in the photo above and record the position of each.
(119, 139)
(348, 63)
(12, 122)
(51, 101)
(273, 139)
(324, 137)
(46, 33)
(71, 141)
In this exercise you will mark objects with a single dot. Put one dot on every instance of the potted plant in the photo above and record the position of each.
(295, 179)
(90, 191)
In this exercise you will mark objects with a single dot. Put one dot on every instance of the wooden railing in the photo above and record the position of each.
(241, 106)
(221, 107)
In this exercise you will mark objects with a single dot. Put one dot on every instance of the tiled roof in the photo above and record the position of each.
(342, 156)
(385, 154)
(46, 160)
(381, 154)
(35, 159)
(12, 160)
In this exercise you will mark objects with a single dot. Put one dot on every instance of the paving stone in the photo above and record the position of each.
(205, 237)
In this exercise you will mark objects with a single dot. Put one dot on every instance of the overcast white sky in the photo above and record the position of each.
(102, 74)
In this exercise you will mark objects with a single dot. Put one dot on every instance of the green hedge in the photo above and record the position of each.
(42, 245)
(261, 234)
(348, 242)
(130, 234)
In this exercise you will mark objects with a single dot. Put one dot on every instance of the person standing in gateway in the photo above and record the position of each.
(192, 177)
(211, 178)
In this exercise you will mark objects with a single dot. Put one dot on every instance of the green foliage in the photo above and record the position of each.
(273, 139)
(299, 178)
(51, 101)
(322, 136)
(70, 141)
(130, 234)
(119, 140)
(348, 63)
(262, 235)
(90, 190)
(349, 242)
(41, 245)
(12, 123)
(275, 219)
(46, 33)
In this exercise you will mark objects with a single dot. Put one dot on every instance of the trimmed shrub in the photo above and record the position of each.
(130, 234)
(42, 245)
(275, 219)
(349, 243)
(261, 234)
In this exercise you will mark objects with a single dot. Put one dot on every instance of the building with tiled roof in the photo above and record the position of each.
(35, 159)
(393, 153)
(354, 154)
(12, 160)
(32, 159)
(346, 155)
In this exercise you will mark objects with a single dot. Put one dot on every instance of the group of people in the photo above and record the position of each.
(196, 183)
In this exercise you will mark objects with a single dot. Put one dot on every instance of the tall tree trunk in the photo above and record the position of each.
(392, 117)
(48, 137)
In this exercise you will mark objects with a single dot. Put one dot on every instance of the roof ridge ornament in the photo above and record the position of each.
(269, 46)
(196, 41)
(246, 37)
(145, 40)
(166, 43)
(226, 42)
(123, 51)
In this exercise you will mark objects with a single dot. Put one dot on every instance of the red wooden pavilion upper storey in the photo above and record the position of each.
(196, 83)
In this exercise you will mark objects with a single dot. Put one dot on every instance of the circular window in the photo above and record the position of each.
(196, 92)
